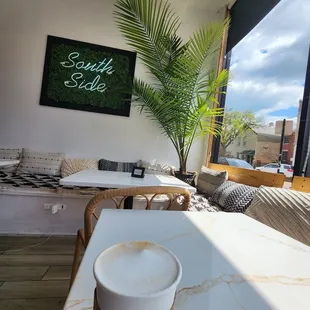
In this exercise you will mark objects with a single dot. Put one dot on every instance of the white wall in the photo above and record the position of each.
(24, 25)
(22, 212)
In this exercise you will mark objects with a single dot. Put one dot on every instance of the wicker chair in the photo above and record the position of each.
(118, 196)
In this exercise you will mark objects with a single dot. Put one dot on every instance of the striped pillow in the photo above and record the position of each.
(234, 197)
(33, 162)
(109, 165)
(285, 210)
(10, 154)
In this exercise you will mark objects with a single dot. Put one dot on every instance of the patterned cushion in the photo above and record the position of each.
(40, 163)
(234, 197)
(209, 180)
(109, 165)
(42, 183)
(155, 169)
(200, 203)
(70, 165)
(285, 210)
(25, 180)
(12, 154)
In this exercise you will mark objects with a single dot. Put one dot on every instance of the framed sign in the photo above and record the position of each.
(138, 172)
(88, 77)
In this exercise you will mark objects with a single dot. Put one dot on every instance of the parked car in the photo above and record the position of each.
(234, 162)
(273, 167)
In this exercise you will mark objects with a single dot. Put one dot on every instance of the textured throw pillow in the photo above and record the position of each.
(285, 210)
(34, 162)
(155, 169)
(234, 197)
(71, 165)
(109, 165)
(200, 203)
(209, 180)
(10, 154)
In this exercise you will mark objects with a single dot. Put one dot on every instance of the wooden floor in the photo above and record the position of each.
(35, 278)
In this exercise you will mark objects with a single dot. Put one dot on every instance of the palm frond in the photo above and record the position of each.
(187, 84)
(145, 24)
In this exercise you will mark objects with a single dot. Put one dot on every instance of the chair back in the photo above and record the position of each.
(301, 184)
(250, 177)
(118, 196)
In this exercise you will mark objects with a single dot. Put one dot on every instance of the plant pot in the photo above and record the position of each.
(188, 177)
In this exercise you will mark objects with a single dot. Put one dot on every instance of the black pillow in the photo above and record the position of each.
(234, 197)
(109, 165)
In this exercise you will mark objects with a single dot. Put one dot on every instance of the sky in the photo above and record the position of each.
(268, 66)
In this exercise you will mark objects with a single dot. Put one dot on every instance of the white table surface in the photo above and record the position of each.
(230, 261)
(111, 179)
(8, 162)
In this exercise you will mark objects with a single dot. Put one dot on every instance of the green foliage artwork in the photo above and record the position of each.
(88, 77)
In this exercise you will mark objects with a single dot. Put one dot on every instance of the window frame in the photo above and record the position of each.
(286, 140)
(302, 141)
(285, 158)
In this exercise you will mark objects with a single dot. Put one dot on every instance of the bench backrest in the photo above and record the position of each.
(301, 184)
(250, 177)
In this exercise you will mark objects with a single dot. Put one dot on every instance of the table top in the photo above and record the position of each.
(229, 260)
(112, 179)
(8, 162)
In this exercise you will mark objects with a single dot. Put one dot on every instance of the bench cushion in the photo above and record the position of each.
(41, 184)
(26, 180)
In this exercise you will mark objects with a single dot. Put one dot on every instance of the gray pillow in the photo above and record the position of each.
(109, 165)
(234, 197)
(10, 154)
(209, 180)
(34, 162)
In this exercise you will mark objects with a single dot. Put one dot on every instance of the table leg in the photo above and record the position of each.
(128, 203)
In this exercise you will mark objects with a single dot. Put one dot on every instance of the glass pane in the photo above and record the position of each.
(267, 81)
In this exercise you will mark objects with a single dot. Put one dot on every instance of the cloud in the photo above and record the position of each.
(268, 66)
(263, 98)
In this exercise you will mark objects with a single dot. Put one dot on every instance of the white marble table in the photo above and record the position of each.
(8, 162)
(111, 179)
(230, 261)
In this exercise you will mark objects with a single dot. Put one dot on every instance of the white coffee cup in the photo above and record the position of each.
(136, 275)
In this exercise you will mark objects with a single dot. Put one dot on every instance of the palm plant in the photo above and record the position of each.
(182, 96)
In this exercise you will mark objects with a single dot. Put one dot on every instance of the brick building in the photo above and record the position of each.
(288, 149)
(261, 146)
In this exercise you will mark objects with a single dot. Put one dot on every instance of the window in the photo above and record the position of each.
(268, 69)
(285, 156)
(244, 141)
